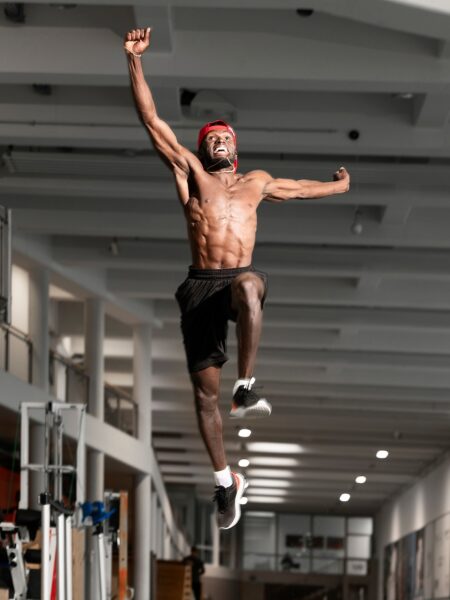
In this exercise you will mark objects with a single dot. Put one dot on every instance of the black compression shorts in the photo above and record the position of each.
(204, 298)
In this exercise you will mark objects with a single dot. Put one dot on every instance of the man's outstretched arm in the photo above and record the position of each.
(174, 155)
(279, 190)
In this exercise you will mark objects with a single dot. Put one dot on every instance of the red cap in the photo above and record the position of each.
(214, 126)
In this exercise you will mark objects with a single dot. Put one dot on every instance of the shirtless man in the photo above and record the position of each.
(220, 208)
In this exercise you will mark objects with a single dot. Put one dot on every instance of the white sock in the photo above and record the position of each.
(224, 477)
(246, 382)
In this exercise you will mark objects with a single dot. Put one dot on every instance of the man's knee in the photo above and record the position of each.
(205, 400)
(248, 291)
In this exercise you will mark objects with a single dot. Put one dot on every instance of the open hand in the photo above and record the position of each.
(137, 41)
(343, 175)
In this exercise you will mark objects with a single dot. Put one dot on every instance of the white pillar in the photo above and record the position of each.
(38, 326)
(142, 391)
(94, 333)
(38, 332)
(216, 541)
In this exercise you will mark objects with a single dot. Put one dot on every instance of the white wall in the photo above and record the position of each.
(424, 502)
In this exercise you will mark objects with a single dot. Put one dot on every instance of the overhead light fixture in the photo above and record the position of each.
(305, 12)
(344, 497)
(275, 461)
(404, 95)
(270, 483)
(266, 499)
(274, 447)
(268, 492)
(15, 12)
(244, 463)
(361, 479)
(244, 433)
(357, 227)
(243, 500)
(382, 454)
(277, 473)
(42, 89)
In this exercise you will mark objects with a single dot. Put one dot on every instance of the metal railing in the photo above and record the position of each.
(120, 410)
(68, 380)
(16, 352)
(306, 562)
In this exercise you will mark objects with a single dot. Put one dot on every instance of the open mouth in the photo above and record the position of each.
(220, 150)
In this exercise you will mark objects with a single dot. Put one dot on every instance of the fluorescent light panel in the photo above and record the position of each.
(277, 473)
(267, 492)
(274, 447)
(274, 461)
(266, 499)
(270, 483)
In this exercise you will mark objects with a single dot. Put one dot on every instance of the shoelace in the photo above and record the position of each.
(220, 496)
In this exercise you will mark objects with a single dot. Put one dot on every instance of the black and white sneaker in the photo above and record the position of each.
(228, 501)
(247, 404)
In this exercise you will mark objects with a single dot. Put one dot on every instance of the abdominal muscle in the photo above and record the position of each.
(222, 242)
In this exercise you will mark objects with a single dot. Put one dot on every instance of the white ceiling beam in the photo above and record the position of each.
(431, 110)
(95, 56)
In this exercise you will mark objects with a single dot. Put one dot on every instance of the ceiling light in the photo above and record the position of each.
(243, 500)
(344, 497)
(266, 499)
(244, 462)
(405, 96)
(244, 433)
(361, 479)
(305, 12)
(113, 247)
(274, 447)
(356, 227)
(268, 492)
(382, 454)
(275, 461)
(277, 473)
(273, 483)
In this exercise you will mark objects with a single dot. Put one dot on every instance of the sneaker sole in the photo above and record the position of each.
(260, 410)
(243, 485)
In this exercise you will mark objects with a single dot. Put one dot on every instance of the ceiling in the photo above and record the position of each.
(356, 341)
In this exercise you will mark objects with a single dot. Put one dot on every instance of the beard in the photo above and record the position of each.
(216, 164)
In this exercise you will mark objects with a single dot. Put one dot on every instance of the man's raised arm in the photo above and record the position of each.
(278, 190)
(174, 155)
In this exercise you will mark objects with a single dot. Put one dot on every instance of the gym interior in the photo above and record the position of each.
(105, 485)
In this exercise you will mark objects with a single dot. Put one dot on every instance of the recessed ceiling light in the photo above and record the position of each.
(361, 479)
(274, 447)
(244, 462)
(243, 500)
(344, 497)
(382, 454)
(245, 433)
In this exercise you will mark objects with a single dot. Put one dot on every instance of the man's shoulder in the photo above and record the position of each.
(259, 175)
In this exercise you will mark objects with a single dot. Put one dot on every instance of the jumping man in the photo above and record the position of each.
(220, 208)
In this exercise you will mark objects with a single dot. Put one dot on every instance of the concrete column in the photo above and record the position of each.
(142, 390)
(38, 326)
(94, 333)
(38, 331)
(216, 541)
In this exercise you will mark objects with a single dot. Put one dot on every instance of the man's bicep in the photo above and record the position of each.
(277, 190)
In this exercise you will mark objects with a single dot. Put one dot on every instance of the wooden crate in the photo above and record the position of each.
(173, 581)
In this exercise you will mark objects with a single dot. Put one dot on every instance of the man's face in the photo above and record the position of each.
(218, 149)
(220, 144)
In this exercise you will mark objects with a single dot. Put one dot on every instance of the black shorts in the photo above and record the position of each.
(204, 298)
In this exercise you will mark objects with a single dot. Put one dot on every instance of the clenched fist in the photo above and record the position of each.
(343, 175)
(137, 41)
